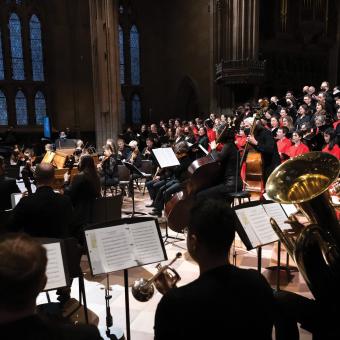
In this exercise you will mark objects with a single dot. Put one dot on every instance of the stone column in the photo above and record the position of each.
(105, 64)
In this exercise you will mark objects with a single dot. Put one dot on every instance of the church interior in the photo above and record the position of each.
(241, 101)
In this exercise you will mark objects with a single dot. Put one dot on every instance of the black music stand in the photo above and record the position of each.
(133, 171)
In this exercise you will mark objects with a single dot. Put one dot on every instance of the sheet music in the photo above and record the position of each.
(255, 222)
(165, 157)
(289, 209)
(203, 149)
(55, 271)
(275, 211)
(123, 246)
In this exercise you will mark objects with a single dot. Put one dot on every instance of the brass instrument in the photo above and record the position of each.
(165, 279)
(304, 181)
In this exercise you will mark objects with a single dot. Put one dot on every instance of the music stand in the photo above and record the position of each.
(133, 171)
(120, 245)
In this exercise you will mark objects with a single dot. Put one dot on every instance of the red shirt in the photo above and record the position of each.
(211, 135)
(283, 145)
(335, 151)
(335, 124)
(297, 150)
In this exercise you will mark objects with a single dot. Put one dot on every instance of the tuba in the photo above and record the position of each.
(165, 279)
(304, 181)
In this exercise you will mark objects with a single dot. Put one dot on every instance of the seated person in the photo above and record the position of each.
(22, 277)
(298, 147)
(108, 170)
(175, 183)
(8, 186)
(123, 151)
(44, 213)
(225, 302)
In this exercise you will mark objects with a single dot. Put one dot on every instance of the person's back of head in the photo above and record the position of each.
(22, 272)
(44, 174)
(212, 223)
(2, 165)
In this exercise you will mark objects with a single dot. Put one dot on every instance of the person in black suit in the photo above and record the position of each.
(44, 213)
(8, 186)
(22, 277)
(225, 302)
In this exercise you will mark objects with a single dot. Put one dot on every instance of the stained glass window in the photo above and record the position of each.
(36, 49)
(136, 110)
(40, 108)
(3, 109)
(21, 108)
(2, 73)
(134, 52)
(121, 55)
(14, 26)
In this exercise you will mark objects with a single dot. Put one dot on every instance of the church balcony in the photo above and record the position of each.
(247, 71)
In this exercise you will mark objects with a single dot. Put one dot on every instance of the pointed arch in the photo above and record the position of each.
(21, 108)
(134, 52)
(136, 109)
(40, 107)
(121, 55)
(36, 49)
(14, 26)
(3, 109)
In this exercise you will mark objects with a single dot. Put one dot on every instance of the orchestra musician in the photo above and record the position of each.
(175, 183)
(123, 150)
(263, 142)
(83, 189)
(107, 168)
(147, 151)
(29, 161)
(229, 159)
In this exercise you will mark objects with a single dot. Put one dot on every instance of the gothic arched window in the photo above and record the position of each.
(40, 108)
(22, 70)
(36, 49)
(2, 70)
(21, 108)
(121, 55)
(3, 109)
(136, 110)
(14, 25)
(134, 53)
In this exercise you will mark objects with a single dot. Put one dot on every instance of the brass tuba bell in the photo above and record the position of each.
(165, 279)
(304, 181)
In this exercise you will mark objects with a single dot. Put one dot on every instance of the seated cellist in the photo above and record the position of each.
(229, 159)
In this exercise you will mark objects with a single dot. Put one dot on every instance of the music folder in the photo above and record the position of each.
(124, 244)
(133, 169)
(165, 157)
(253, 222)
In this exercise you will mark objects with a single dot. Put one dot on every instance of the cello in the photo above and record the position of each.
(204, 172)
(253, 178)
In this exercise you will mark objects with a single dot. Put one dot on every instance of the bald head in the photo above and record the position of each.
(44, 174)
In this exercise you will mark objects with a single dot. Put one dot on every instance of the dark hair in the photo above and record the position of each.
(332, 139)
(2, 161)
(209, 123)
(284, 129)
(22, 269)
(213, 223)
(226, 135)
(88, 168)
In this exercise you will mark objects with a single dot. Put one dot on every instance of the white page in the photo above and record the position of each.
(165, 157)
(289, 209)
(148, 248)
(275, 211)
(258, 221)
(203, 149)
(123, 246)
(243, 217)
(15, 198)
(55, 271)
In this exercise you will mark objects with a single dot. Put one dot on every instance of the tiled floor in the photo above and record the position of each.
(142, 313)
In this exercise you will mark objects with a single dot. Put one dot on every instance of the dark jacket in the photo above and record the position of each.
(214, 305)
(35, 328)
(8, 186)
(42, 214)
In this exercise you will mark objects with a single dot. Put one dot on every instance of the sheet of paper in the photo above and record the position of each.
(165, 157)
(15, 198)
(123, 246)
(289, 209)
(275, 211)
(55, 271)
(257, 222)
